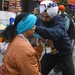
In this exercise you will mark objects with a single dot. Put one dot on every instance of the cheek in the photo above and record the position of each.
(48, 19)
(32, 30)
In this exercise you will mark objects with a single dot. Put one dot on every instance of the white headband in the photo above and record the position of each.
(50, 7)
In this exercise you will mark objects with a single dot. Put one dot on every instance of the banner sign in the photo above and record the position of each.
(5, 17)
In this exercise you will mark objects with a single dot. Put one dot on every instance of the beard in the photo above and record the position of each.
(46, 23)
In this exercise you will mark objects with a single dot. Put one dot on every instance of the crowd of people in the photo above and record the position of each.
(49, 30)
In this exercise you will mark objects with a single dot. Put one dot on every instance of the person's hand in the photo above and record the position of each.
(51, 44)
(42, 43)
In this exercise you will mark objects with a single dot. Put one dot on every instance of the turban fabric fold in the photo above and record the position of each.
(26, 23)
(50, 6)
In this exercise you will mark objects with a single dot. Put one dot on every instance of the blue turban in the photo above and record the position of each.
(26, 23)
(37, 35)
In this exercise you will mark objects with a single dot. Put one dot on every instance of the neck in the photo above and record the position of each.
(24, 35)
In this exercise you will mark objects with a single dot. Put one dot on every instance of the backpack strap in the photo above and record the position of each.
(67, 22)
(71, 28)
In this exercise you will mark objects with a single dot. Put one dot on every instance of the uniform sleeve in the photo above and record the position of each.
(52, 33)
(28, 64)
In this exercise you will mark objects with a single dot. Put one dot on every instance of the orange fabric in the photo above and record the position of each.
(61, 8)
(39, 50)
(71, 1)
(0, 39)
(1, 70)
(21, 59)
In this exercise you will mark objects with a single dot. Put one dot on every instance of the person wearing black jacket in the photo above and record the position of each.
(58, 51)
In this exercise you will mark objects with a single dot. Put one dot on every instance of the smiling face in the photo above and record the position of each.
(44, 17)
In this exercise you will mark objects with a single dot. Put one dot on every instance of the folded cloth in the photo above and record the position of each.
(3, 47)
